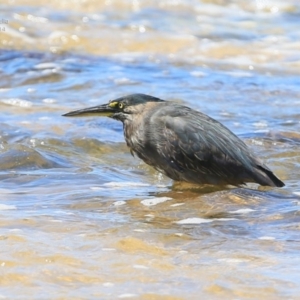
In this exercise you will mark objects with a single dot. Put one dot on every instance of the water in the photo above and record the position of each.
(80, 217)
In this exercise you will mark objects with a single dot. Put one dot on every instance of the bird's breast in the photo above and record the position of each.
(137, 139)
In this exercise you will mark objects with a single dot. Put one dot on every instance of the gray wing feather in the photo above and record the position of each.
(200, 143)
(189, 145)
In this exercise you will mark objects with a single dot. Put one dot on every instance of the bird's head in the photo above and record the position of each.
(120, 109)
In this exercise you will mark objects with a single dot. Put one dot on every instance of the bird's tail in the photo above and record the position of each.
(266, 177)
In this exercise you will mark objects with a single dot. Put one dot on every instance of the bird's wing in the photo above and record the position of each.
(200, 143)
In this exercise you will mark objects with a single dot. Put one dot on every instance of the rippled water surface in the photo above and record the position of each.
(80, 218)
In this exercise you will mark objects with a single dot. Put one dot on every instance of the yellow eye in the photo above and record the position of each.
(121, 105)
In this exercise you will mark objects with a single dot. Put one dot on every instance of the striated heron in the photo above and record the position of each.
(182, 143)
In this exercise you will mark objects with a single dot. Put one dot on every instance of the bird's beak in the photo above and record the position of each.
(105, 110)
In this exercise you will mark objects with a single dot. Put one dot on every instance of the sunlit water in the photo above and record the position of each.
(80, 218)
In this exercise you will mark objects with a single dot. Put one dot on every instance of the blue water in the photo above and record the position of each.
(75, 218)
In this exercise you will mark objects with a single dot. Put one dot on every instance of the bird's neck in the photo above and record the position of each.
(133, 132)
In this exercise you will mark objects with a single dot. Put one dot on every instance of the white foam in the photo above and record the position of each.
(140, 230)
(44, 118)
(179, 234)
(155, 201)
(201, 220)
(123, 80)
(198, 74)
(108, 284)
(231, 260)
(242, 211)
(122, 296)
(140, 267)
(119, 203)
(4, 90)
(239, 74)
(177, 204)
(15, 230)
(161, 186)
(260, 124)
(49, 65)
(96, 188)
(267, 238)
(7, 207)
(49, 100)
(194, 221)
(17, 102)
(150, 216)
(124, 184)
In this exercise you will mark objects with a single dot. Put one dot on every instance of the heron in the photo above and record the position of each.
(183, 143)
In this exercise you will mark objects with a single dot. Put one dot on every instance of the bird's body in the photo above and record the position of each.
(184, 144)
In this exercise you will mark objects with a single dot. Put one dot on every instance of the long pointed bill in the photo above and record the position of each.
(101, 110)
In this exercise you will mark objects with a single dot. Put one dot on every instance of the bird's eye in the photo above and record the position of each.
(121, 105)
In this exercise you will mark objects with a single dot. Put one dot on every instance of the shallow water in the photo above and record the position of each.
(80, 218)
